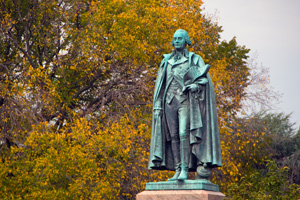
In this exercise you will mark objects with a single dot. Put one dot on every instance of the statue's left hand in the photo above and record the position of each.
(193, 87)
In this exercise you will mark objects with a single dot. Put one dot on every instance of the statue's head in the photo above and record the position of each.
(181, 39)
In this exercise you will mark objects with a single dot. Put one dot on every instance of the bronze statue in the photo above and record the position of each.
(185, 134)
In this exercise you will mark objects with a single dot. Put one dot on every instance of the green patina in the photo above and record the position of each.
(185, 134)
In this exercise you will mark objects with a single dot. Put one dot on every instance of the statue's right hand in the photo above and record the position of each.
(157, 113)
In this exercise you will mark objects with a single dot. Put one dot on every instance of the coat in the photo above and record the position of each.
(204, 134)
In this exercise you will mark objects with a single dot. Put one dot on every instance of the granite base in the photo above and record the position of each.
(180, 195)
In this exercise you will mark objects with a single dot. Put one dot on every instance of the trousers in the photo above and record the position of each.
(178, 118)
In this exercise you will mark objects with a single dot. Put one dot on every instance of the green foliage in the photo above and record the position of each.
(271, 183)
(284, 142)
(262, 161)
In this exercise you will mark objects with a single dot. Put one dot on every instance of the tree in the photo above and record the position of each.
(272, 184)
(84, 161)
(76, 88)
(284, 142)
(34, 37)
(98, 57)
(260, 95)
(263, 155)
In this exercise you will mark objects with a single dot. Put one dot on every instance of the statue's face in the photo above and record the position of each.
(179, 42)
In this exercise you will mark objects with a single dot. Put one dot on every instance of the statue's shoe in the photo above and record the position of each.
(183, 174)
(175, 177)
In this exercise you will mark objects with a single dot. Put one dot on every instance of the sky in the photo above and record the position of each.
(271, 29)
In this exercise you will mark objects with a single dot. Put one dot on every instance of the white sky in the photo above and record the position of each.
(271, 28)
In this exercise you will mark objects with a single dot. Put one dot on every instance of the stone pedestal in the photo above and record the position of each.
(180, 195)
(181, 190)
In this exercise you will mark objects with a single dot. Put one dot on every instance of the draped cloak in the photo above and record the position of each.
(204, 131)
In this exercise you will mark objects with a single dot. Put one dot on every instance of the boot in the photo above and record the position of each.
(176, 155)
(177, 173)
(185, 155)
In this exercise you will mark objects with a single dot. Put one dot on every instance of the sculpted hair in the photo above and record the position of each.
(186, 37)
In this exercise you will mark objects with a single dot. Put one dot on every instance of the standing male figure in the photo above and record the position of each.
(185, 134)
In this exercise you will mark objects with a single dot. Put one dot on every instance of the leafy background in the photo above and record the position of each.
(77, 80)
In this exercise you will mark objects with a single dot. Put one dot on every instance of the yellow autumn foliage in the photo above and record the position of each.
(81, 162)
(76, 87)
